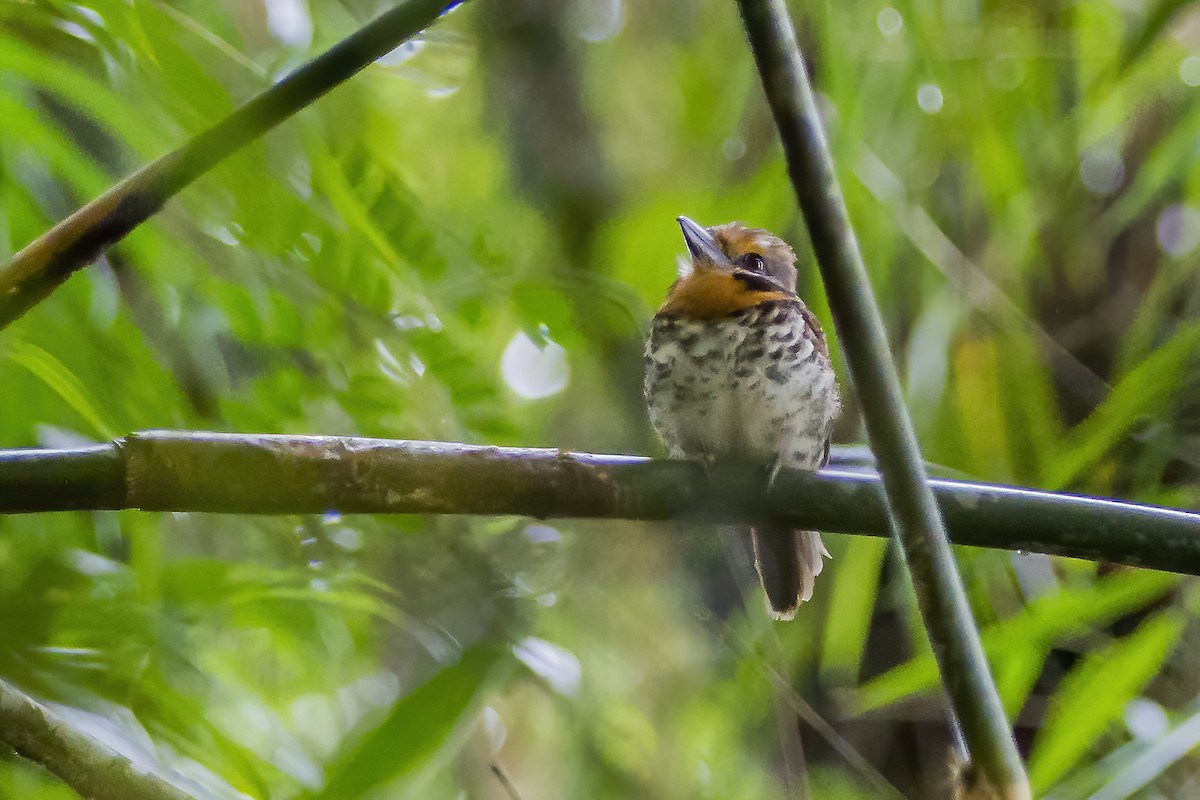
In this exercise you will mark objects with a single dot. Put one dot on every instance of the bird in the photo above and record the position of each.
(737, 369)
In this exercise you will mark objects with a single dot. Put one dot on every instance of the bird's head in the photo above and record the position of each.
(755, 257)
(731, 268)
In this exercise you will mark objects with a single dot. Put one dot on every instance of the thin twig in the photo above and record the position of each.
(818, 723)
(510, 788)
(275, 474)
(860, 329)
(786, 694)
(81, 762)
(38, 269)
(968, 278)
(795, 765)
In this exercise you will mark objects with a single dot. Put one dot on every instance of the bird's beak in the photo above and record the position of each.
(700, 243)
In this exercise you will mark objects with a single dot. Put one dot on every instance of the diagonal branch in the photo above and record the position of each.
(81, 762)
(919, 527)
(38, 269)
(274, 474)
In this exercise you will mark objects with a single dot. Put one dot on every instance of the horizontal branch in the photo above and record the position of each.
(85, 764)
(273, 474)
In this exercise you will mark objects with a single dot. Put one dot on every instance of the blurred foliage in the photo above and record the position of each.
(465, 243)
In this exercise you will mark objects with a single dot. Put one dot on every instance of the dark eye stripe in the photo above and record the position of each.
(758, 281)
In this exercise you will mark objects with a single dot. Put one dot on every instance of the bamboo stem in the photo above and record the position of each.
(859, 324)
(274, 474)
(81, 762)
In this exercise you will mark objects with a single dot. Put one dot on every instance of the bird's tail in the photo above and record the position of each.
(788, 563)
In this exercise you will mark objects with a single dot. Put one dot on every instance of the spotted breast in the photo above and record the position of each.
(754, 386)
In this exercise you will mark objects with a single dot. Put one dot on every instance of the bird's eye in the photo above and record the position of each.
(754, 262)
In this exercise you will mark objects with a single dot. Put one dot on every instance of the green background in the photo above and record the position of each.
(1023, 178)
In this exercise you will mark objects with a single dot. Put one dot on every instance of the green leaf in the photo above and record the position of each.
(76, 85)
(1095, 693)
(1042, 623)
(1173, 155)
(1017, 672)
(851, 605)
(980, 399)
(417, 728)
(65, 384)
(1144, 763)
(1156, 22)
(53, 146)
(1149, 389)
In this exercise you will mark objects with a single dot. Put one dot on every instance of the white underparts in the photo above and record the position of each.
(751, 387)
